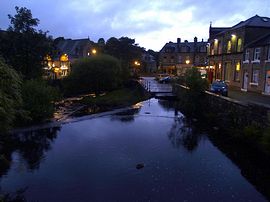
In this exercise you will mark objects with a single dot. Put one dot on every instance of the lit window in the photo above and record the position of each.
(237, 71)
(257, 52)
(229, 47)
(64, 58)
(239, 45)
(255, 76)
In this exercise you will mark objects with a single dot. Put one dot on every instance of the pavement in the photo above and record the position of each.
(249, 97)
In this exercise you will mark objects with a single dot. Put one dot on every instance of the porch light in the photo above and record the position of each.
(187, 62)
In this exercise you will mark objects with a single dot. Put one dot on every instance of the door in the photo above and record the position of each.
(267, 82)
(245, 83)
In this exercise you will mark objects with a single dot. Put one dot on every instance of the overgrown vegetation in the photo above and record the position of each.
(246, 124)
(10, 96)
(192, 100)
(118, 98)
(96, 74)
(38, 100)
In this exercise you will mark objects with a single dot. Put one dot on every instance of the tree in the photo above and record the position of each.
(124, 49)
(10, 96)
(94, 74)
(23, 46)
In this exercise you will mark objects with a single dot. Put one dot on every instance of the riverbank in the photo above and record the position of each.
(243, 123)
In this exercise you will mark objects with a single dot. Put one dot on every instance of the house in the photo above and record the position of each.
(228, 47)
(256, 66)
(175, 58)
(68, 51)
(149, 63)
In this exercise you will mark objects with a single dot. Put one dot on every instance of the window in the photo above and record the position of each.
(255, 76)
(239, 45)
(247, 55)
(257, 52)
(220, 48)
(229, 47)
(179, 59)
(237, 71)
(203, 49)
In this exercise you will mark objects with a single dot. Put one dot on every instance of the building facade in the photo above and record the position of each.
(175, 58)
(68, 51)
(228, 48)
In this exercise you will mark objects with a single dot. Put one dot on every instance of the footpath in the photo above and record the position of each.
(249, 97)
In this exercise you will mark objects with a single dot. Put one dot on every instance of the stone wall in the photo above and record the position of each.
(227, 112)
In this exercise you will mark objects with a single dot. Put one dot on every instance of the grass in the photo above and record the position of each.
(117, 98)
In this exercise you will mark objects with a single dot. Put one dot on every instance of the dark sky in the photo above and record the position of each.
(151, 22)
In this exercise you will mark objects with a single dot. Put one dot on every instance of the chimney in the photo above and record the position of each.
(178, 40)
(202, 40)
(195, 39)
(186, 41)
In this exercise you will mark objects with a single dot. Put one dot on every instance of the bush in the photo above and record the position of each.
(194, 81)
(38, 99)
(10, 96)
(96, 74)
(192, 102)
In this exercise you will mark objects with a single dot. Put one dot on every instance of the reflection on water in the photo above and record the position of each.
(183, 134)
(96, 159)
(28, 146)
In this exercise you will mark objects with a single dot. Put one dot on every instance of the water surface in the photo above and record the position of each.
(95, 160)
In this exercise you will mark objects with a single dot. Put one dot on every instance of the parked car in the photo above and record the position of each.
(219, 87)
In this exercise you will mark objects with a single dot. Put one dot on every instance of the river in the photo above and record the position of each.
(96, 159)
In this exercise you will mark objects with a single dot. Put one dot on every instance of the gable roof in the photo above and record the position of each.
(176, 47)
(73, 46)
(255, 21)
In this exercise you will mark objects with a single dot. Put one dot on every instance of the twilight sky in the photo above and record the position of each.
(151, 22)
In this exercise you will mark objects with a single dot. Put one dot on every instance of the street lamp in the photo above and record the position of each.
(137, 63)
(94, 51)
(187, 62)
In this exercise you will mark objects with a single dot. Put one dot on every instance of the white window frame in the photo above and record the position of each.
(255, 77)
(247, 55)
(256, 55)
(268, 54)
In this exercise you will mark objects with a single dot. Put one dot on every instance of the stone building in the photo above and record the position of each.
(175, 58)
(227, 47)
(68, 51)
(256, 66)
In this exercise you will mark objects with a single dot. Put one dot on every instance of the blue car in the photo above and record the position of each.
(219, 87)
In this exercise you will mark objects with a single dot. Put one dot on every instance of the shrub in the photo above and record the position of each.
(38, 99)
(95, 74)
(10, 96)
(192, 101)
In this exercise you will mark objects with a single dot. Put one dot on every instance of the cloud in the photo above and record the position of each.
(152, 23)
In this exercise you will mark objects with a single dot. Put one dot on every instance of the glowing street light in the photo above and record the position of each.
(187, 62)
(137, 63)
(94, 51)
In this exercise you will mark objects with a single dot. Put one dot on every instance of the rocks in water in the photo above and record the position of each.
(140, 166)
(215, 128)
